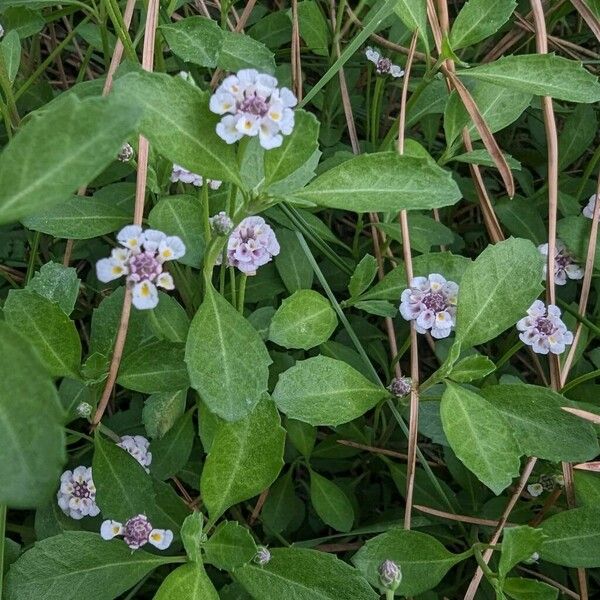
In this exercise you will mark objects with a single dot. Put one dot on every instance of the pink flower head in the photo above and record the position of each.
(137, 446)
(383, 65)
(141, 260)
(179, 173)
(431, 303)
(564, 265)
(77, 493)
(251, 244)
(253, 105)
(543, 329)
(137, 532)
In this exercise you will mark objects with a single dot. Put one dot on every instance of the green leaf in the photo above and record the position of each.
(49, 330)
(60, 150)
(325, 391)
(10, 54)
(518, 544)
(79, 218)
(483, 157)
(301, 435)
(291, 263)
(245, 458)
(522, 219)
(331, 503)
(424, 232)
(193, 536)
(161, 410)
(297, 148)
(171, 452)
(227, 361)
(541, 428)
(30, 465)
(413, 13)
(187, 582)
(304, 320)
(529, 589)
(540, 75)
(240, 51)
(575, 233)
(58, 568)
(480, 437)
(195, 39)
(304, 575)
(179, 215)
(497, 289)
(576, 135)
(123, 488)
(363, 275)
(471, 368)
(154, 367)
(479, 19)
(313, 27)
(178, 122)
(587, 489)
(573, 538)
(168, 320)
(381, 308)
(230, 546)
(383, 182)
(281, 504)
(57, 283)
(422, 559)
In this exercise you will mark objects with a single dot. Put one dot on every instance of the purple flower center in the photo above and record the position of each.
(255, 105)
(144, 266)
(384, 65)
(137, 531)
(545, 326)
(434, 301)
(562, 261)
(81, 490)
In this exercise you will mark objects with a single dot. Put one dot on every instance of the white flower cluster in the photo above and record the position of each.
(137, 532)
(383, 65)
(253, 105)
(431, 303)
(137, 446)
(77, 493)
(141, 260)
(543, 329)
(179, 173)
(564, 265)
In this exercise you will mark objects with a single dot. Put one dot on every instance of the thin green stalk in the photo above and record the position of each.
(114, 12)
(589, 169)
(375, 112)
(232, 285)
(573, 311)
(508, 354)
(205, 212)
(50, 59)
(2, 535)
(242, 292)
(389, 594)
(579, 380)
(9, 96)
(32, 256)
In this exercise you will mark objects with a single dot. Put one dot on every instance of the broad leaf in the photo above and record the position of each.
(178, 122)
(518, 544)
(573, 538)
(244, 459)
(32, 451)
(195, 39)
(282, 504)
(363, 275)
(188, 582)
(413, 14)
(58, 568)
(325, 391)
(541, 75)
(541, 428)
(576, 135)
(171, 452)
(240, 51)
(123, 488)
(497, 289)
(313, 27)
(422, 559)
(529, 589)
(304, 320)
(226, 359)
(480, 437)
(383, 182)
(161, 410)
(479, 19)
(49, 330)
(60, 150)
(470, 368)
(57, 283)
(291, 263)
(304, 575)
(331, 503)
(230, 546)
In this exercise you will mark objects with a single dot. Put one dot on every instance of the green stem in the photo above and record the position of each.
(7, 90)
(589, 169)
(205, 212)
(581, 379)
(242, 292)
(232, 284)
(32, 256)
(2, 535)
(508, 354)
(389, 594)
(114, 12)
(591, 326)
(376, 108)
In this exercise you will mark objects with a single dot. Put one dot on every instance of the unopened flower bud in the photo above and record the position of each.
(126, 153)
(532, 559)
(84, 410)
(400, 386)
(221, 223)
(559, 480)
(547, 482)
(262, 556)
(535, 489)
(390, 575)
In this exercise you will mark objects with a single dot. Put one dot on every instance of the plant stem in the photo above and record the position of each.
(114, 12)
(2, 534)
(32, 256)
(205, 212)
(389, 595)
(579, 380)
(242, 292)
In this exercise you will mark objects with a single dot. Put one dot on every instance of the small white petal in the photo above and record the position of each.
(152, 238)
(131, 236)
(107, 269)
(165, 281)
(145, 295)
(109, 529)
(161, 538)
(171, 248)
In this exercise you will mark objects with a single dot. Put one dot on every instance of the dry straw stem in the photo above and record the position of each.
(140, 195)
(565, 590)
(296, 60)
(588, 16)
(462, 518)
